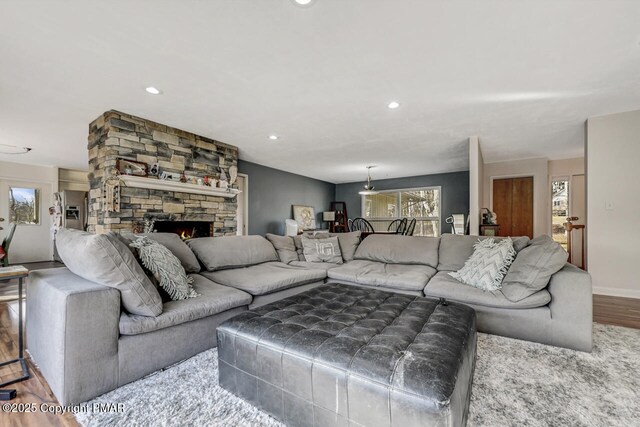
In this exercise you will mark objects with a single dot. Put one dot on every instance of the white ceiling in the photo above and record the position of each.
(522, 75)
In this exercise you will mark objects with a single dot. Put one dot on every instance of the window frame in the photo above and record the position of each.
(399, 191)
(37, 207)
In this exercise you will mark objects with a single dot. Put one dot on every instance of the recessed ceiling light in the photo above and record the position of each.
(273, 137)
(393, 105)
(153, 91)
(303, 2)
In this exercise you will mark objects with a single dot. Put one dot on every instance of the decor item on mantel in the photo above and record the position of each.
(111, 191)
(116, 135)
(305, 216)
(233, 174)
(368, 188)
(223, 180)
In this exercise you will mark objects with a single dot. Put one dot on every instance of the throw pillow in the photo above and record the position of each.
(488, 264)
(166, 267)
(285, 247)
(533, 267)
(174, 243)
(322, 250)
(105, 260)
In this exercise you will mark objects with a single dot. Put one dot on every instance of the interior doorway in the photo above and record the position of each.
(513, 204)
(26, 204)
(568, 199)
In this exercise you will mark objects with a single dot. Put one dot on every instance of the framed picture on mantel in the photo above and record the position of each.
(305, 216)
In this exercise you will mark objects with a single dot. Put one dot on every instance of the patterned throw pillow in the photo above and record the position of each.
(488, 264)
(166, 268)
(322, 250)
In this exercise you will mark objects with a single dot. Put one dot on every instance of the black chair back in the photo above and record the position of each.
(410, 227)
(399, 226)
(361, 224)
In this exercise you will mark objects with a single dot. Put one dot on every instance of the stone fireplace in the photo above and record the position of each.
(203, 210)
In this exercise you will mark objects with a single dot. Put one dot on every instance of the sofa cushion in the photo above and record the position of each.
(285, 247)
(174, 243)
(442, 285)
(533, 267)
(394, 276)
(214, 298)
(455, 249)
(219, 253)
(322, 250)
(107, 261)
(265, 278)
(395, 249)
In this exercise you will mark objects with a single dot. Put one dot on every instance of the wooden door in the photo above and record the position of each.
(513, 203)
(502, 201)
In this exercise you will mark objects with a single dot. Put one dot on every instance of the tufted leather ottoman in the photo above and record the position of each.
(343, 355)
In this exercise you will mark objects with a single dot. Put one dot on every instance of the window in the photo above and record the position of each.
(423, 204)
(560, 210)
(24, 205)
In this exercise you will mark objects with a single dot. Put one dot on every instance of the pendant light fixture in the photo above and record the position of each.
(368, 188)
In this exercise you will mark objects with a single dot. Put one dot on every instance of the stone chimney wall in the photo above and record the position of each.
(116, 135)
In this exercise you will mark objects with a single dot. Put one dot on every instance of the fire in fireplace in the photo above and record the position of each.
(186, 229)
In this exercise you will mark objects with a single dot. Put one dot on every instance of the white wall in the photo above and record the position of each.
(476, 187)
(22, 251)
(538, 168)
(613, 203)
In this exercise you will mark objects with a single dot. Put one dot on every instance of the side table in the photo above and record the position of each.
(17, 272)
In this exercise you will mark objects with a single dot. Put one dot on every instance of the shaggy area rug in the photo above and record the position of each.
(516, 383)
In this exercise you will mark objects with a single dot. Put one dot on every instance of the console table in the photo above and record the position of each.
(17, 272)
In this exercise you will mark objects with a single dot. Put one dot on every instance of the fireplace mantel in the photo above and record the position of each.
(182, 187)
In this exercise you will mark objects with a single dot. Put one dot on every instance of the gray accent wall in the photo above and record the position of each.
(454, 187)
(272, 192)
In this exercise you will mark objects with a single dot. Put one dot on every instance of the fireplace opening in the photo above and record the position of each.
(185, 229)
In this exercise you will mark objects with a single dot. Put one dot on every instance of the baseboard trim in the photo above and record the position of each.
(617, 292)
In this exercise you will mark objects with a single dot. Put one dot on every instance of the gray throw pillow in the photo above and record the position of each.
(322, 250)
(105, 260)
(488, 264)
(533, 268)
(174, 243)
(166, 268)
(285, 247)
(348, 243)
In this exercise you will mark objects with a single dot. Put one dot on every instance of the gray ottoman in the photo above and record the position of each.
(343, 355)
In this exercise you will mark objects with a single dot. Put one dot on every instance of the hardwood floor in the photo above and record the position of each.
(616, 311)
(609, 310)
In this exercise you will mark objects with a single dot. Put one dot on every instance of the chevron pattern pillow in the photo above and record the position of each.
(488, 265)
(166, 268)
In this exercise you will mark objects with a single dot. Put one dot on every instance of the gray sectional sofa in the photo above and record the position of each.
(88, 337)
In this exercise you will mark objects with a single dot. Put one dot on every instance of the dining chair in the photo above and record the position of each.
(361, 224)
(5, 244)
(410, 227)
(399, 226)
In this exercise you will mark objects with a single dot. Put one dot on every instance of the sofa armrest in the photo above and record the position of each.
(72, 333)
(572, 304)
